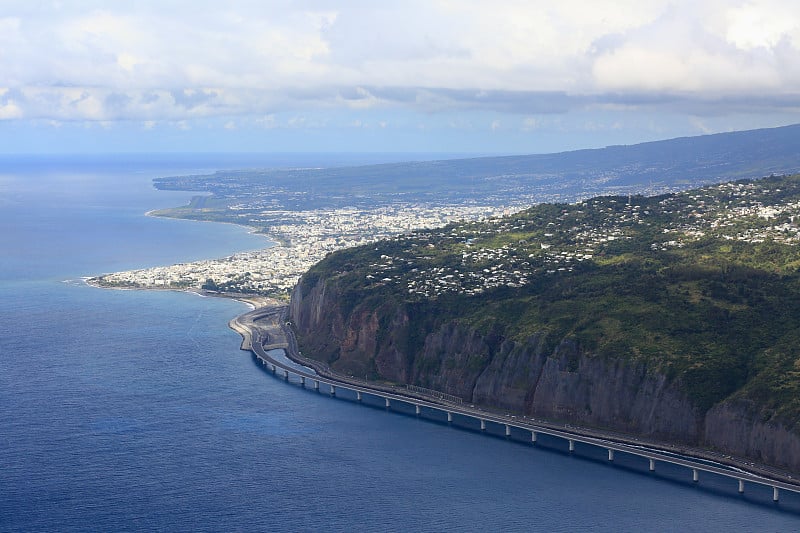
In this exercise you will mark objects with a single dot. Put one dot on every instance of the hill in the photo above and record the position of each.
(673, 317)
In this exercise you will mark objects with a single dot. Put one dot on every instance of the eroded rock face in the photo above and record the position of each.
(532, 378)
(313, 312)
(739, 428)
(613, 393)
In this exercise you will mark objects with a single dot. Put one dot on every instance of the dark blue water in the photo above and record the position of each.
(124, 410)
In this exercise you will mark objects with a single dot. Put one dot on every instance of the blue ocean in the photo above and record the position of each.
(133, 410)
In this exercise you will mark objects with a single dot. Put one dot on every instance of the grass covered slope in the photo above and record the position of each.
(701, 286)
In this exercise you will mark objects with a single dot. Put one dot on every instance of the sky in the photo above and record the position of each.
(458, 76)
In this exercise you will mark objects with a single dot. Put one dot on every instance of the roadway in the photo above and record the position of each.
(263, 337)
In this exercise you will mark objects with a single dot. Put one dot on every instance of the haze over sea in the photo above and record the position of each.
(129, 410)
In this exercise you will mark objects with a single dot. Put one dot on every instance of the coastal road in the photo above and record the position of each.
(265, 329)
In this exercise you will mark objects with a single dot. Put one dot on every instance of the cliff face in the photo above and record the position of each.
(551, 380)
(739, 427)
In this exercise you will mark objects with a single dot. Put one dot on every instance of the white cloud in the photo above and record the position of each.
(700, 125)
(155, 61)
(266, 122)
(689, 50)
(530, 123)
(10, 110)
(752, 26)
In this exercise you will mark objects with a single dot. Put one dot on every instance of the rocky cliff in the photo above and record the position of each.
(541, 377)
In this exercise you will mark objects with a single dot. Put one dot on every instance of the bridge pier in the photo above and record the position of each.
(695, 465)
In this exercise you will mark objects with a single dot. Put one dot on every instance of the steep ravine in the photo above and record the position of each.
(539, 378)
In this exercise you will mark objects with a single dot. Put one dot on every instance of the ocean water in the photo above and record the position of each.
(129, 410)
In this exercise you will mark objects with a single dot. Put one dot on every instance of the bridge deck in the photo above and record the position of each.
(270, 333)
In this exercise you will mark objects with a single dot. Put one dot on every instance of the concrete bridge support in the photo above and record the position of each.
(303, 381)
(483, 424)
(508, 430)
(387, 403)
(358, 396)
(610, 454)
(775, 494)
(333, 390)
(652, 465)
(316, 384)
(741, 486)
(286, 375)
(533, 437)
(571, 445)
(695, 475)
(449, 418)
(417, 409)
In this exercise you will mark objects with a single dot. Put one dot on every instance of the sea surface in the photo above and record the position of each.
(133, 410)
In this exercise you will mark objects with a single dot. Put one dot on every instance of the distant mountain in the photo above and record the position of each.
(649, 168)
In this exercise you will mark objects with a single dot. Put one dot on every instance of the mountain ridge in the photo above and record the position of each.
(651, 168)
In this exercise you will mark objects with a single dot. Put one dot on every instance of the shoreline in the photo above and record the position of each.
(251, 230)
(744, 465)
(256, 302)
(273, 264)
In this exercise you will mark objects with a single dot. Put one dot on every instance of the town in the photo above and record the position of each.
(559, 239)
(495, 247)
(302, 238)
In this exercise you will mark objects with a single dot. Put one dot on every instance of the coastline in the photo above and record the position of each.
(255, 302)
(743, 465)
(251, 230)
(258, 302)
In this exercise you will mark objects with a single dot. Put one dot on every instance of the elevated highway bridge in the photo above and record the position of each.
(265, 329)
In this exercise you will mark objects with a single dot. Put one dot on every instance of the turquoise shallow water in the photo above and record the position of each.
(126, 410)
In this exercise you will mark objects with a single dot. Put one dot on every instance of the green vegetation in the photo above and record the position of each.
(703, 285)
